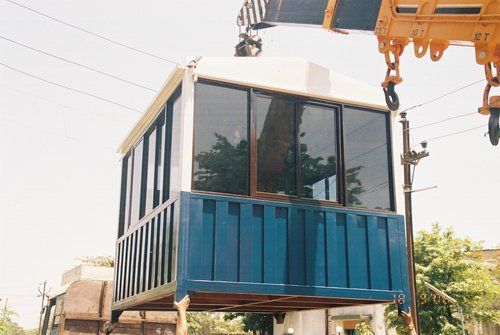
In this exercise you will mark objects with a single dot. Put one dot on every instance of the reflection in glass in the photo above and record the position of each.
(220, 139)
(136, 183)
(367, 159)
(174, 164)
(276, 167)
(159, 160)
(318, 163)
(150, 171)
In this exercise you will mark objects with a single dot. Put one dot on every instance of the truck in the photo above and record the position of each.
(82, 305)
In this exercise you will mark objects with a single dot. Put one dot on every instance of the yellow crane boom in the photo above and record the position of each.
(431, 25)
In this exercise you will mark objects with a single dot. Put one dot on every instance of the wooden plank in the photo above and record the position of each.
(164, 252)
(357, 251)
(378, 253)
(296, 242)
(201, 241)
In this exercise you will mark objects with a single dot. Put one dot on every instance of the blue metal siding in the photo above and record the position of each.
(262, 245)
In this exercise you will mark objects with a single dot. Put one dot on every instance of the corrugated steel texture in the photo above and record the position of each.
(146, 257)
(234, 251)
(249, 241)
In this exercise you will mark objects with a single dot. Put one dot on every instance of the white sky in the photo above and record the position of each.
(59, 171)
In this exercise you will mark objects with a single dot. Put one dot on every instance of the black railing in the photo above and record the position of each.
(144, 254)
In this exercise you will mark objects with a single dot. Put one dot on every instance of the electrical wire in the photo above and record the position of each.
(92, 33)
(439, 97)
(441, 121)
(72, 89)
(452, 134)
(77, 64)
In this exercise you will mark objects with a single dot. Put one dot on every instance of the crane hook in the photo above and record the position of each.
(493, 126)
(391, 97)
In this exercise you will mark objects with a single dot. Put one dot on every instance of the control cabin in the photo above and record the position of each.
(264, 185)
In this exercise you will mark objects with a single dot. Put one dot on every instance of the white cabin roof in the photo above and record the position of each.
(292, 75)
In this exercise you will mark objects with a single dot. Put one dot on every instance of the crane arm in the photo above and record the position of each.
(430, 25)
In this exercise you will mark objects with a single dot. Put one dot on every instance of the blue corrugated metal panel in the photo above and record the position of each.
(251, 243)
(280, 248)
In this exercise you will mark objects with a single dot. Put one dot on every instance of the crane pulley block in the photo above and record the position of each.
(431, 25)
(436, 24)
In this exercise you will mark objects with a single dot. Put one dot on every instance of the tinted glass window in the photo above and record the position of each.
(220, 139)
(125, 194)
(318, 153)
(276, 168)
(367, 159)
(136, 183)
(150, 156)
(159, 160)
(174, 153)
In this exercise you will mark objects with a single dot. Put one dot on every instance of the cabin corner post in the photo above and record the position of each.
(182, 247)
(408, 301)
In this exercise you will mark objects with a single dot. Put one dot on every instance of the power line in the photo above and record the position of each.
(71, 89)
(455, 133)
(93, 34)
(77, 64)
(439, 97)
(441, 121)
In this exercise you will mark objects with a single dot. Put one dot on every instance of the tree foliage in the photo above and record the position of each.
(452, 265)
(363, 328)
(253, 322)
(204, 323)
(224, 167)
(9, 327)
(107, 261)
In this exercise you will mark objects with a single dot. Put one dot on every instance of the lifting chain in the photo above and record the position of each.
(391, 80)
(491, 105)
(399, 301)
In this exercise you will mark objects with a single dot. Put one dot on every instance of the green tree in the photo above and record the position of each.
(253, 322)
(453, 265)
(205, 323)
(107, 261)
(364, 328)
(7, 324)
(223, 166)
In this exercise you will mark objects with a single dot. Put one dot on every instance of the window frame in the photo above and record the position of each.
(126, 180)
(249, 92)
(299, 100)
(390, 163)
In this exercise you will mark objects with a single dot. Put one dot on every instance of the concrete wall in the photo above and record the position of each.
(87, 272)
(303, 323)
(315, 322)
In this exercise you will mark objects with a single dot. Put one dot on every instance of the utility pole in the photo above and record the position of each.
(5, 311)
(409, 158)
(43, 294)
